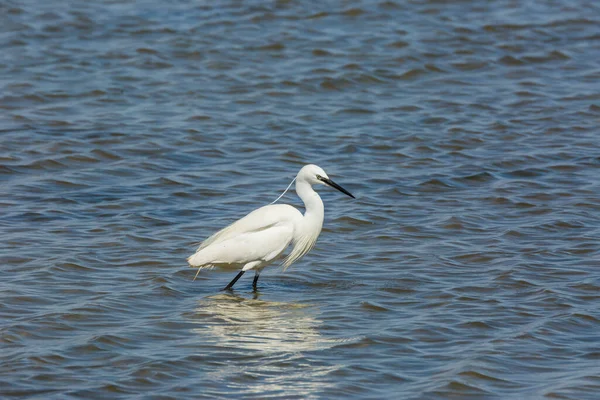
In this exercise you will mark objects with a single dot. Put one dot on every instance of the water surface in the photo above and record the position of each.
(466, 268)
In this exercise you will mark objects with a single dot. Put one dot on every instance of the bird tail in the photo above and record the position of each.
(199, 266)
(195, 276)
(196, 260)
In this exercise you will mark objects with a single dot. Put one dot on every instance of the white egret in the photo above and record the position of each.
(262, 236)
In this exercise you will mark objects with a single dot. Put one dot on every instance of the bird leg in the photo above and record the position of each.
(230, 285)
(255, 281)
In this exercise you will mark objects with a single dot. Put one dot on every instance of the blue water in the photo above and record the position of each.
(466, 268)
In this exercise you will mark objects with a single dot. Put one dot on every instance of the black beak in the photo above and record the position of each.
(334, 185)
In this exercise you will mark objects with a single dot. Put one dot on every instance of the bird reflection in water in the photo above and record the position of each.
(260, 345)
(231, 320)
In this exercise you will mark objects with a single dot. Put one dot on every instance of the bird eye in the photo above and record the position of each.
(319, 177)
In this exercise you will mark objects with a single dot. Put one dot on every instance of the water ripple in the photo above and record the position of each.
(466, 267)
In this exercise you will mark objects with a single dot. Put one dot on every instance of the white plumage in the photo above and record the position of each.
(262, 236)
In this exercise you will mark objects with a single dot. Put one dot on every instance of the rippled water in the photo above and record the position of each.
(466, 268)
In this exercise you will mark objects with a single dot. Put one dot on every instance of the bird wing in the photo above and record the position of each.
(259, 246)
(258, 220)
(260, 236)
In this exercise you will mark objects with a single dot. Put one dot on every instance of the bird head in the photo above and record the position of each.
(313, 174)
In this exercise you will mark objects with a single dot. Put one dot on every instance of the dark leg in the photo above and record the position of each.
(255, 281)
(238, 276)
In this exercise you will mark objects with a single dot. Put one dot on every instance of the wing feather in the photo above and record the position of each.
(259, 219)
(258, 224)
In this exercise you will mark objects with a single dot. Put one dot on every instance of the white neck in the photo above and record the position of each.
(312, 201)
(309, 227)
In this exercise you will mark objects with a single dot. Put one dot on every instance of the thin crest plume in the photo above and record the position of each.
(285, 191)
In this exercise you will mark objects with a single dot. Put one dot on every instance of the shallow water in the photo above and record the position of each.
(466, 268)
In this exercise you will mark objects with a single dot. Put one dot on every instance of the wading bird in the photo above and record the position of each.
(262, 236)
